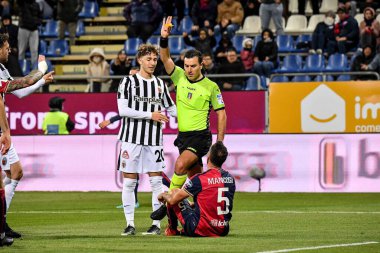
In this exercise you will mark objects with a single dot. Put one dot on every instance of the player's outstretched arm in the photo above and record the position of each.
(46, 79)
(164, 45)
(33, 77)
(222, 123)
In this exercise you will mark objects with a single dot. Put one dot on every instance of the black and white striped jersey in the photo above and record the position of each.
(145, 96)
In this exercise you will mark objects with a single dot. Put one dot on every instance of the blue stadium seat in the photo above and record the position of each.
(291, 63)
(344, 78)
(337, 62)
(42, 49)
(51, 29)
(80, 28)
(176, 45)
(314, 63)
(237, 42)
(301, 79)
(154, 40)
(90, 9)
(320, 78)
(25, 66)
(256, 40)
(185, 25)
(280, 79)
(252, 83)
(285, 43)
(302, 38)
(131, 45)
(58, 48)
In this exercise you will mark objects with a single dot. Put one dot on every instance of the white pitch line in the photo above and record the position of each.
(236, 212)
(320, 247)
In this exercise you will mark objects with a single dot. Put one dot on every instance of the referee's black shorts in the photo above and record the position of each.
(198, 142)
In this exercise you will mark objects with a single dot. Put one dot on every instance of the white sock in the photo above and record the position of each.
(6, 180)
(2, 235)
(10, 191)
(128, 197)
(156, 185)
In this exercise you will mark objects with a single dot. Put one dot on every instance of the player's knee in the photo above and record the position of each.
(156, 183)
(129, 184)
(180, 168)
(18, 175)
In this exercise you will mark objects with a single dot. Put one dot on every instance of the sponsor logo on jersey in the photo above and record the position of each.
(4, 161)
(125, 154)
(189, 95)
(146, 99)
(219, 223)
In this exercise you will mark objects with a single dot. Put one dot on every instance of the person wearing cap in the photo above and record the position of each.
(346, 34)
(56, 121)
(120, 66)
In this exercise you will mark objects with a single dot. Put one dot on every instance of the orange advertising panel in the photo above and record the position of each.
(328, 107)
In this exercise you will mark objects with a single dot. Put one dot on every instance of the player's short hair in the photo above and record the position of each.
(194, 53)
(3, 38)
(218, 154)
(146, 49)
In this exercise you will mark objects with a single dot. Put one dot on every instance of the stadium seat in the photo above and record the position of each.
(285, 43)
(337, 62)
(301, 79)
(237, 42)
(293, 6)
(328, 5)
(296, 23)
(42, 47)
(185, 25)
(314, 63)
(176, 45)
(90, 9)
(280, 79)
(344, 78)
(320, 78)
(306, 40)
(359, 17)
(131, 45)
(313, 22)
(154, 40)
(252, 24)
(25, 66)
(291, 63)
(252, 83)
(80, 29)
(58, 48)
(273, 27)
(51, 29)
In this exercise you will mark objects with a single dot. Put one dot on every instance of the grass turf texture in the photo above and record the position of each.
(90, 222)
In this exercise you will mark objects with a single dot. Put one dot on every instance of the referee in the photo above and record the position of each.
(196, 95)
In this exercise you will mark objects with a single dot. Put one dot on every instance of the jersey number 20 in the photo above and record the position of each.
(160, 155)
(221, 198)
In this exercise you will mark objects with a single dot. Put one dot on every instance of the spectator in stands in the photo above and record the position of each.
(247, 55)
(67, 15)
(30, 17)
(266, 53)
(232, 66)
(169, 7)
(120, 66)
(5, 8)
(323, 33)
(230, 17)
(56, 121)
(12, 30)
(99, 69)
(362, 4)
(220, 52)
(349, 5)
(314, 6)
(204, 43)
(180, 61)
(369, 28)
(209, 66)
(203, 14)
(251, 8)
(364, 59)
(373, 66)
(272, 9)
(143, 17)
(346, 34)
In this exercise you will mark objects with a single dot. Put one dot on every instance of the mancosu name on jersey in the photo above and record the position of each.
(149, 100)
(218, 180)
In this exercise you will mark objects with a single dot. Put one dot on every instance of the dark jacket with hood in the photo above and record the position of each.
(68, 10)
(30, 14)
(362, 59)
(267, 49)
(349, 28)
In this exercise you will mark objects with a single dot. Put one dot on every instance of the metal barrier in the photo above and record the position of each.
(326, 74)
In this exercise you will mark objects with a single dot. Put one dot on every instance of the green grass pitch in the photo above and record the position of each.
(90, 222)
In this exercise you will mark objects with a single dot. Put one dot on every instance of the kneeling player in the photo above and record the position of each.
(213, 192)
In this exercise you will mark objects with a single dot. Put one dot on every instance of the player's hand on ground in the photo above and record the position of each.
(104, 123)
(166, 27)
(5, 142)
(49, 77)
(159, 117)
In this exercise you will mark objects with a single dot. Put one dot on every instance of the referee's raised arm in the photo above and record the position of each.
(164, 45)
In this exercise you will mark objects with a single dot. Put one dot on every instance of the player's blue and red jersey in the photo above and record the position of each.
(213, 192)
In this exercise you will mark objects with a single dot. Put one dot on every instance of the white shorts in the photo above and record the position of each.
(10, 158)
(134, 158)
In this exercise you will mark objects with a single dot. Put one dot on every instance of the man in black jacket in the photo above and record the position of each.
(30, 17)
(67, 15)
